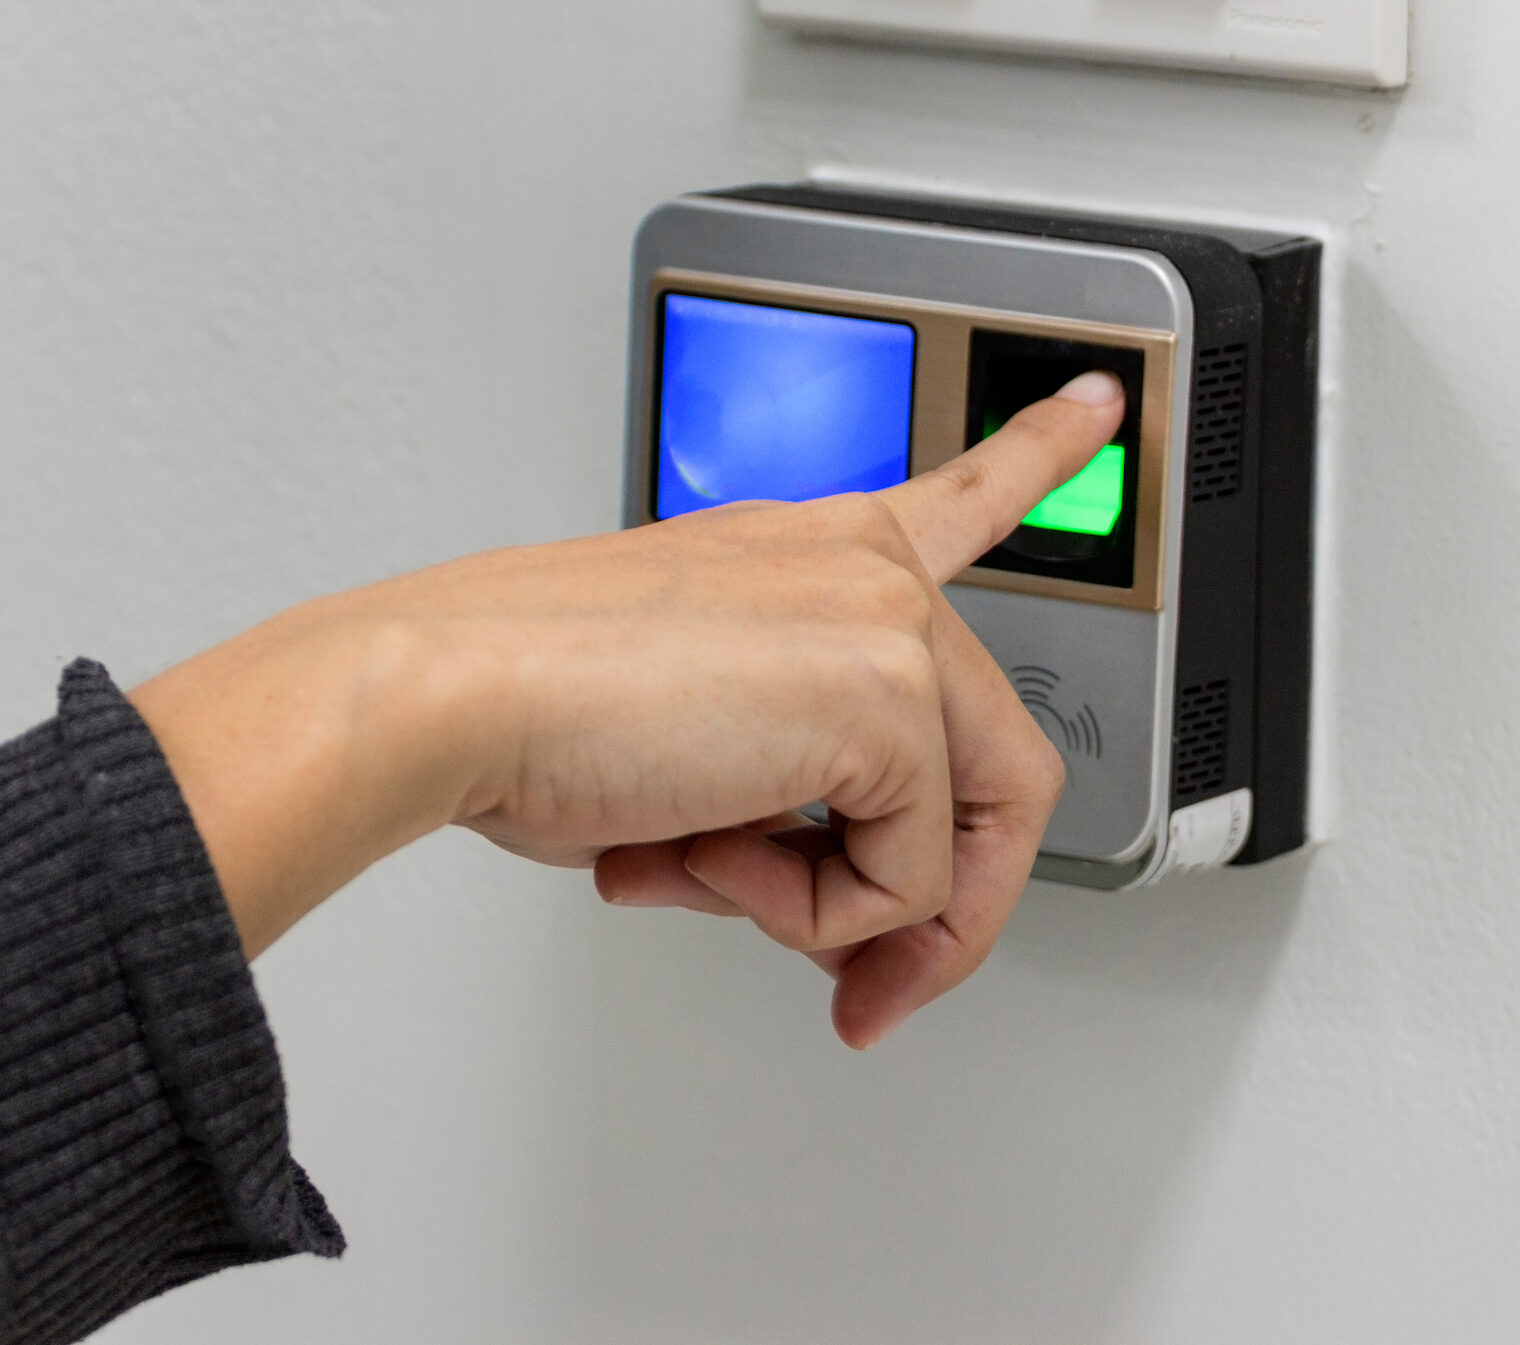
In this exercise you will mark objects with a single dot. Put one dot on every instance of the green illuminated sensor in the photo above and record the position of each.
(1090, 502)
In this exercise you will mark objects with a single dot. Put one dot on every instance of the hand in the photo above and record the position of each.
(638, 701)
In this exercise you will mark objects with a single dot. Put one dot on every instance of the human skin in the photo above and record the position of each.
(654, 704)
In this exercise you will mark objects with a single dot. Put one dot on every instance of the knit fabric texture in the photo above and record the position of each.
(143, 1136)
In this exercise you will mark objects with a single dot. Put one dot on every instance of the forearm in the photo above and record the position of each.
(306, 750)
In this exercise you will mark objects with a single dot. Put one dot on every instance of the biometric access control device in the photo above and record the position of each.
(794, 342)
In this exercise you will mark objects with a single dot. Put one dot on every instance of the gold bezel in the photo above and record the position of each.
(941, 389)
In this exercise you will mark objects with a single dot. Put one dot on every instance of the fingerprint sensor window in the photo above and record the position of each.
(1085, 531)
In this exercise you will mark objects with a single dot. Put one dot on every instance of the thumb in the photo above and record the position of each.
(962, 510)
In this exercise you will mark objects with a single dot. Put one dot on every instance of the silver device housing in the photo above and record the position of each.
(1110, 666)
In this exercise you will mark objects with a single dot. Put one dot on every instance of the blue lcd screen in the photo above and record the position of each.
(762, 403)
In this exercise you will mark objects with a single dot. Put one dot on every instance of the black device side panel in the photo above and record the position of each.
(1290, 282)
(1214, 729)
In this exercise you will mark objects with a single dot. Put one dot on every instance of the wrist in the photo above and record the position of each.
(307, 749)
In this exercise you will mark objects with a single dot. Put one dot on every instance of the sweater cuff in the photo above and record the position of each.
(143, 1137)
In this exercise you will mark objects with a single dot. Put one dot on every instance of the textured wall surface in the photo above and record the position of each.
(296, 294)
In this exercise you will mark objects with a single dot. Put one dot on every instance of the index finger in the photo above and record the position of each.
(962, 510)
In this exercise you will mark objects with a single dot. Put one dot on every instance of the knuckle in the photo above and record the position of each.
(899, 599)
(904, 669)
(970, 479)
(870, 522)
(849, 763)
(966, 475)
(861, 516)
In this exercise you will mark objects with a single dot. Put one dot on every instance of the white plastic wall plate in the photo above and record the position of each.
(1358, 42)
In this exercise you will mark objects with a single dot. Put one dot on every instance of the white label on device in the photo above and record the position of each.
(1207, 835)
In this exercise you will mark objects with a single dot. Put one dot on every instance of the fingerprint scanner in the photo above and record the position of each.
(1085, 530)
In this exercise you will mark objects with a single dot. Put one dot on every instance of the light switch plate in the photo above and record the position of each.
(1358, 42)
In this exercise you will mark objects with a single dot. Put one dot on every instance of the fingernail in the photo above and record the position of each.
(641, 901)
(1097, 388)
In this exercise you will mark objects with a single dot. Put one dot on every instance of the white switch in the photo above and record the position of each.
(1361, 42)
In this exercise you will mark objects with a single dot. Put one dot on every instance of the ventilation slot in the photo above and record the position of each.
(1203, 724)
(1219, 420)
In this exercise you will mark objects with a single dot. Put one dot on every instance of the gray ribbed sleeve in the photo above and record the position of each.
(143, 1139)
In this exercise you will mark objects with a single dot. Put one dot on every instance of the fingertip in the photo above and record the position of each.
(1056, 438)
(956, 513)
(853, 1032)
(864, 1021)
(1101, 395)
(607, 875)
(1096, 388)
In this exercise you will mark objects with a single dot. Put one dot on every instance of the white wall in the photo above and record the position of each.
(296, 294)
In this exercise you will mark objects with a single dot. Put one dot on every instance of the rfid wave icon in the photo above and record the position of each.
(1076, 734)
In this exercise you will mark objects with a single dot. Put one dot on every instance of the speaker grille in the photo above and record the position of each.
(1219, 419)
(1203, 725)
